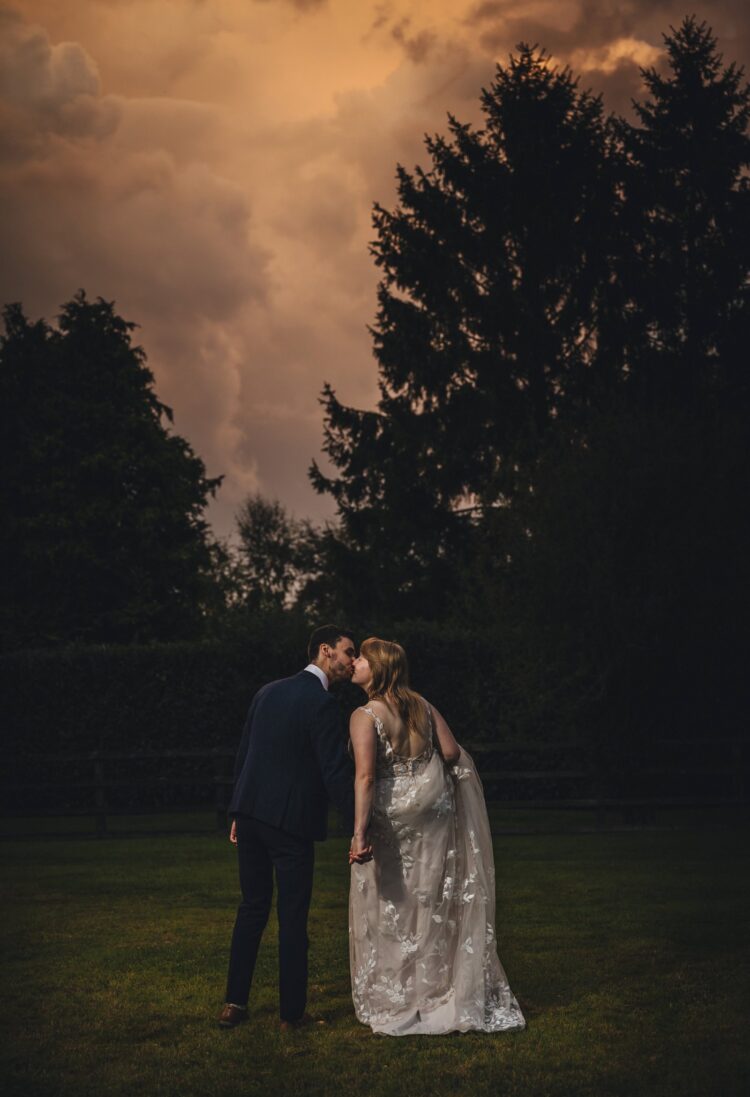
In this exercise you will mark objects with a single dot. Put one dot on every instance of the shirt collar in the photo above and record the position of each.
(318, 674)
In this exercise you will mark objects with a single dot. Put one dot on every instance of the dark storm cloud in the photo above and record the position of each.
(605, 41)
(105, 194)
(418, 44)
(212, 166)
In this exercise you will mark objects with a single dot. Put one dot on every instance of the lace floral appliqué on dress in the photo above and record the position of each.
(422, 912)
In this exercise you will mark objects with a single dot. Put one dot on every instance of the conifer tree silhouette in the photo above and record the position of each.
(485, 330)
(687, 218)
(103, 529)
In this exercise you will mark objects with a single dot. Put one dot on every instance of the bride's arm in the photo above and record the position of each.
(364, 744)
(446, 742)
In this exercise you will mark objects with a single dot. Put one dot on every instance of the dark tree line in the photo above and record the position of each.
(556, 471)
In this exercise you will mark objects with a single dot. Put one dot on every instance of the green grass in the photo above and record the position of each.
(624, 949)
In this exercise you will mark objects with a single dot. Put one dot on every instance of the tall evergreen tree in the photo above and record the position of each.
(625, 573)
(495, 267)
(103, 528)
(687, 218)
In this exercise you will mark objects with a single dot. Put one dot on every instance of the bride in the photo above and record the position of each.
(422, 898)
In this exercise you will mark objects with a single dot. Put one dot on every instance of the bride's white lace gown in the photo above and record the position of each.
(422, 912)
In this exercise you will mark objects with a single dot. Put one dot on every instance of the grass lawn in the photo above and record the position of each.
(626, 951)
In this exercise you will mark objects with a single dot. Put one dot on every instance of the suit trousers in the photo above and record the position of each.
(261, 849)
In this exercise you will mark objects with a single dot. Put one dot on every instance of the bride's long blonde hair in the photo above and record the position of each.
(390, 680)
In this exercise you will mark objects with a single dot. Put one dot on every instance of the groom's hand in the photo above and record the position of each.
(359, 852)
(233, 832)
(360, 858)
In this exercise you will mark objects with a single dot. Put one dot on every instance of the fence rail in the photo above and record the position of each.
(590, 785)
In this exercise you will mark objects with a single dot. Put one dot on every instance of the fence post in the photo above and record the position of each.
(739, 810)
(738, 784)
(99, 798)
(221, 808)
(596, 782)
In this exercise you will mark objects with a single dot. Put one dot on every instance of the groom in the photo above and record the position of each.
(292, 759)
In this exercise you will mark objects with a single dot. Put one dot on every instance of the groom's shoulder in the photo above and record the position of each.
(280, 684)
(303, 683)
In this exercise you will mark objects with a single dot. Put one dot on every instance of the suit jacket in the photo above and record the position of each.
(292, 759)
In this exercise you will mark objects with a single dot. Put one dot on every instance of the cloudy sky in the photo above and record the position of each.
(211, 166)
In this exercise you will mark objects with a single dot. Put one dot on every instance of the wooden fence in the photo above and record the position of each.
(517, 776)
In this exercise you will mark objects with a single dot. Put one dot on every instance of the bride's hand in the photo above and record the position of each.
(360, 851)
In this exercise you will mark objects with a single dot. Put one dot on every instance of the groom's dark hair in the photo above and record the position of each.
(326, 634)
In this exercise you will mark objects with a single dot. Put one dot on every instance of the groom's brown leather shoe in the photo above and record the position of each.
(302, 1022)
(231, 1016)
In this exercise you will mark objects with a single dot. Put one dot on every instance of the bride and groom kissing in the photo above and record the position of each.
(422, 947)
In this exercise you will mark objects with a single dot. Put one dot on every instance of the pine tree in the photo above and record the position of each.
(103, 531)
(495, 268)
(687, 215)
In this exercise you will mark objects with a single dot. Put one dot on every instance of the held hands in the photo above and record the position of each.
(360, 850)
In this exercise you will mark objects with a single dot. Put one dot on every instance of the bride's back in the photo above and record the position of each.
(406, 742)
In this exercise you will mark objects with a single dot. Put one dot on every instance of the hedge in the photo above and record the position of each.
(195, 695)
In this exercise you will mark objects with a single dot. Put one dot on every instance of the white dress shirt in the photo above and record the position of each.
(318, 673)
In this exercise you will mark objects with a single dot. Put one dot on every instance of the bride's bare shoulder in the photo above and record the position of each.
(379, 706)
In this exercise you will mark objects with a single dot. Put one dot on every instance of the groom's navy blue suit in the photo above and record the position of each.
(291, 761)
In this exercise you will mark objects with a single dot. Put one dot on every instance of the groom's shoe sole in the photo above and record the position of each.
(303, 1022)
(231, 1016)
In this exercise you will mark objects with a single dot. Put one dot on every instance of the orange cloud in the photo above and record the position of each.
(212, 167)
(613, 55)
